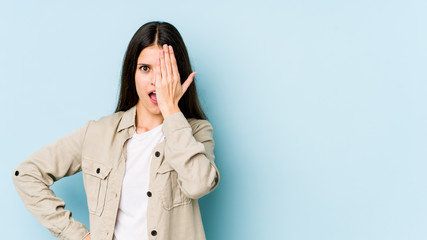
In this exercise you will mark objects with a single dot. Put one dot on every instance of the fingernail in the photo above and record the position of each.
(170, 47)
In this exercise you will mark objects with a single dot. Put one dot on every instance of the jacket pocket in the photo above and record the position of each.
(170, 191)
(96, 182)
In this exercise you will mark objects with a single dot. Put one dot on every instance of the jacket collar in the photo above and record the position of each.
(128, 119)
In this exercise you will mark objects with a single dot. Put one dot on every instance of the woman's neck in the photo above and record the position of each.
(145, 121)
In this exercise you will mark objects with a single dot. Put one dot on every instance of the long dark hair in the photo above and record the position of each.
(158, 33)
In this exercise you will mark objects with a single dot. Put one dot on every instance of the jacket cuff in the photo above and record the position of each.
(85, 235)
(75, 231)
(173, 122)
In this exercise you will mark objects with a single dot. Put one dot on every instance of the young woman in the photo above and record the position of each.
(145, 166)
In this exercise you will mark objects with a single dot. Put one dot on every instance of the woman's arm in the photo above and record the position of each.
(192, 157)
(33, 177)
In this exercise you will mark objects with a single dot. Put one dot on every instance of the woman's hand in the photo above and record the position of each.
(87, 237)
(168, 85)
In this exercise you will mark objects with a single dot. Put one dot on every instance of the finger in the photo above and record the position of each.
(187, 82)
(162, 66)
(167, 63)
(175, 72)
(157, 72)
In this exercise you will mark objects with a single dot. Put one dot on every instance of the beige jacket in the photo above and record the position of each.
(182, 170)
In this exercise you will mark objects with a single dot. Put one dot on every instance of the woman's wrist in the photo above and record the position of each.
(87, 237)
(170, 110)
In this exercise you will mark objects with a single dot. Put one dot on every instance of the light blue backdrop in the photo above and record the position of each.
(318, 108)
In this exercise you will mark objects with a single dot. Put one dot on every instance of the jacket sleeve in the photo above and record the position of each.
(33, 177)
(191, 155)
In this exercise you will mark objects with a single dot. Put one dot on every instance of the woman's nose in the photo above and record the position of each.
(153, 76)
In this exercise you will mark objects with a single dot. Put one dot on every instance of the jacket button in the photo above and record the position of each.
(157, 154)
(98, 170)
(16, 173)
(154, 233)
(149, 194)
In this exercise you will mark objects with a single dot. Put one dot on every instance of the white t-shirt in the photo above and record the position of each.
(132, 214)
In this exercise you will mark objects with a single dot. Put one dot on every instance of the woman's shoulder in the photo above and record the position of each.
(199, 124)
(196, 122)
(117, 119)
(108, 121)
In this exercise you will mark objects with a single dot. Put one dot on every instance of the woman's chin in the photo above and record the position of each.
(156, 111)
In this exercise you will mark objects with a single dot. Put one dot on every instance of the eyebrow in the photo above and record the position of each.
(145, 64)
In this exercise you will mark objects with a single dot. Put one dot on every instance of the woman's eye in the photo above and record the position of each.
(145, 68)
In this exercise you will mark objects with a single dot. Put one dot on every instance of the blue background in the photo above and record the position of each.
(318, 108)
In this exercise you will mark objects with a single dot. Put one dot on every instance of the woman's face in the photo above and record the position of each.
(144, 78)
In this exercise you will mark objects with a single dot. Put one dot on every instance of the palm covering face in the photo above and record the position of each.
(168, 83)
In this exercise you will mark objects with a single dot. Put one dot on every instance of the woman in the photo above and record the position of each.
(145, 166)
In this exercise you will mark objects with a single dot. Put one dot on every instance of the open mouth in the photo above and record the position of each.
(153, 96)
